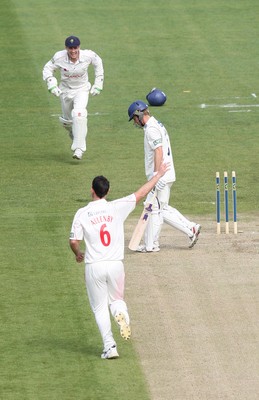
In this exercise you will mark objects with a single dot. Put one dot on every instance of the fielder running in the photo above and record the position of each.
(101, 225)
(157, 147)
(74, 88)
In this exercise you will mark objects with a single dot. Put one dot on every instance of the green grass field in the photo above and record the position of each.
(197, 52)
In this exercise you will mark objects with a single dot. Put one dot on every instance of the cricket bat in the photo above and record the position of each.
(141, 225)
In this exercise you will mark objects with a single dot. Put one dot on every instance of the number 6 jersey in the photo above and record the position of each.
(101, 225)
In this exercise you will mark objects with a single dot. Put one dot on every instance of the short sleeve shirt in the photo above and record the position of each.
(155, 135)
(101, 225)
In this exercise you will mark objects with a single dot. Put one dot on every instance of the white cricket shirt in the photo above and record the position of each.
(75, 75)
(155, 135)
(101, 225)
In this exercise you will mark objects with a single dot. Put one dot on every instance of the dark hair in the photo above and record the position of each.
(101, 186)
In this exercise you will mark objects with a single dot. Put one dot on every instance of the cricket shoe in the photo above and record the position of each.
(142, 249)
(196, 231)
(78, 154)
(111, 353)
(125, 330)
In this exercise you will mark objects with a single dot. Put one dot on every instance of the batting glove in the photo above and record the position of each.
(95, 90)
(53, 86)
(161, 184)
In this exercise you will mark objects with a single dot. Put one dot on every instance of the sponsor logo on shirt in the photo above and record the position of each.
(73, 76)
(156, 142)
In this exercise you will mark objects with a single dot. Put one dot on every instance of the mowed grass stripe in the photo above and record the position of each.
(50, 347)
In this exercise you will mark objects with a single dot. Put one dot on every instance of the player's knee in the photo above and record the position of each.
(163, 206)
(79, 113)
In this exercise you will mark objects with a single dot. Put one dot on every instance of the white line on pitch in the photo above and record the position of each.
(232, 105)
(233, 97)
(98, 113)
(91, 114)
(239, 110)
(240, 105)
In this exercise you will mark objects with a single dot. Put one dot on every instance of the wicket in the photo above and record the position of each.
(234, 200)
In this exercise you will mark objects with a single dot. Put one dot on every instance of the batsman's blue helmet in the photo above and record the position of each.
(136, 107)
(156, 97)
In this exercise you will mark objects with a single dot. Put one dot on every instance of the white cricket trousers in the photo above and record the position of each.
(74, 108)
(105, 288)
(163, 212)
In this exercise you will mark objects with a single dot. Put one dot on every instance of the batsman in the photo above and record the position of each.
(157, 148)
